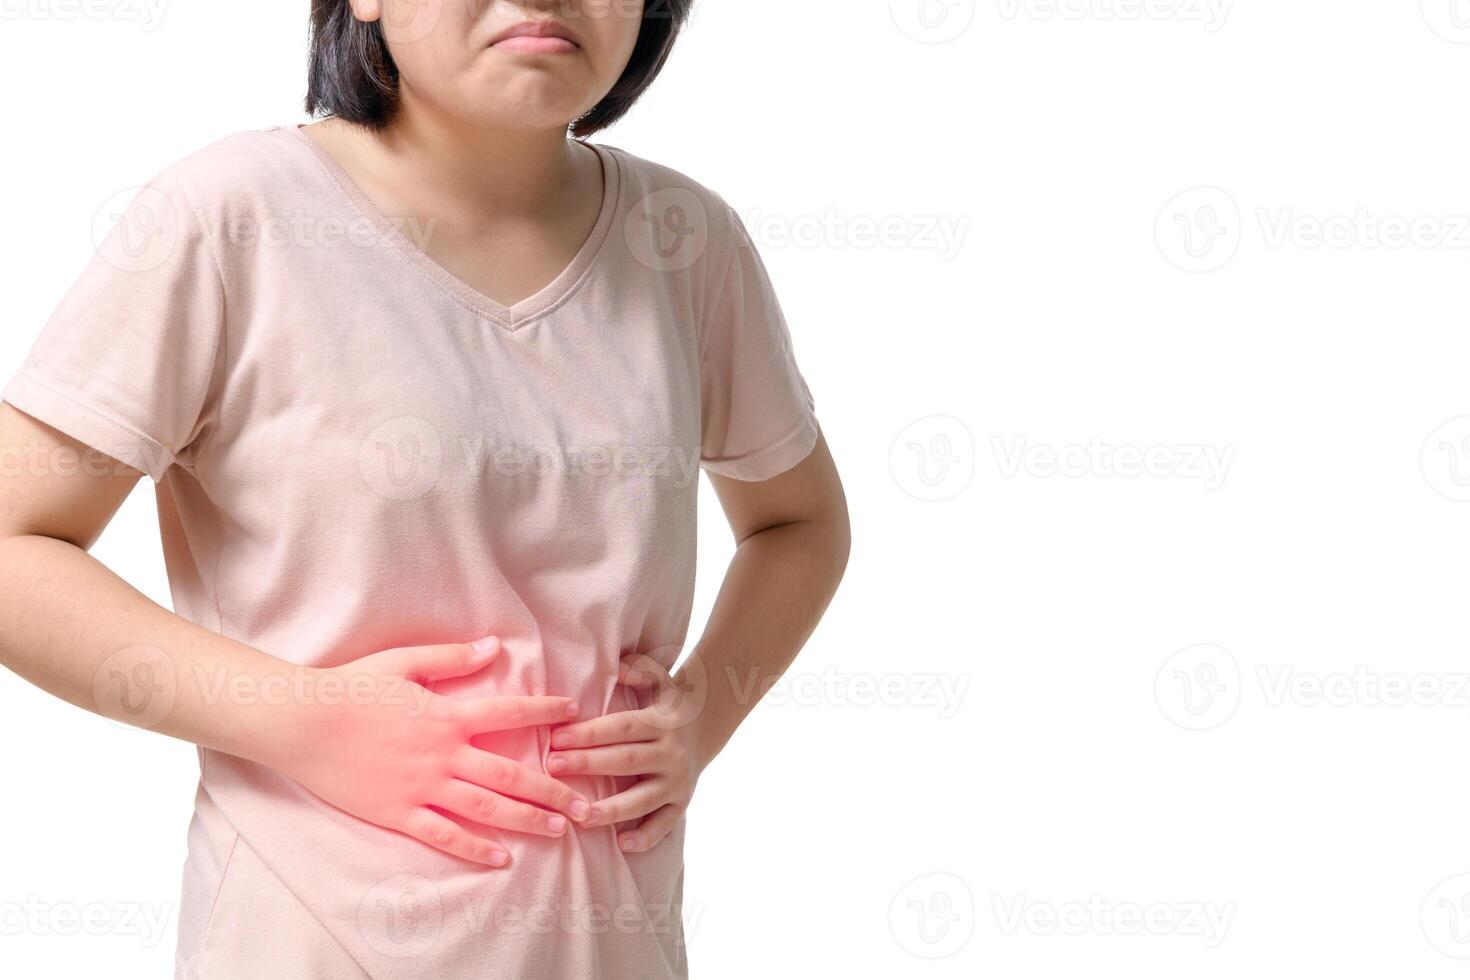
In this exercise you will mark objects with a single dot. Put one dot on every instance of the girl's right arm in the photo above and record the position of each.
(369, 737)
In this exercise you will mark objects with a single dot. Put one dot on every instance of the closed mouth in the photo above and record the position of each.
(536, 37)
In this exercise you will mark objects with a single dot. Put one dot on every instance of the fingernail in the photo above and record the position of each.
(556, 823)
(560, 741)
(626, 843)
(556, 764)
(579, 809)
(499, 858)
(486, 647)
(573, 709)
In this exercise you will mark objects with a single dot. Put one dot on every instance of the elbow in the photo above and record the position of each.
(840, 538)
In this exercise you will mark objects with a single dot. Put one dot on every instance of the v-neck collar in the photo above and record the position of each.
(518, 314)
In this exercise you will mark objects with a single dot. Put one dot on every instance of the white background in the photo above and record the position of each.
(1286, 350)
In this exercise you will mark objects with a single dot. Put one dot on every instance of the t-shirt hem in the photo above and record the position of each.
(89, 425)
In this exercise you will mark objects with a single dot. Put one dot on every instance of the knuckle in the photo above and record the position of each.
(486, 807)
(628, 758)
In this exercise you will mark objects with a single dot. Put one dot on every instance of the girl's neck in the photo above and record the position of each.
(504, 172)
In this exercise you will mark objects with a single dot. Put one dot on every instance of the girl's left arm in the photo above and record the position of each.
(792, 541)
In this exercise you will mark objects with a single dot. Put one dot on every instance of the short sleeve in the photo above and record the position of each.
(757, 414)
(126, 363)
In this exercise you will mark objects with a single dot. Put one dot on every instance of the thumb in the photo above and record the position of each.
(438, 661)
(638, 670)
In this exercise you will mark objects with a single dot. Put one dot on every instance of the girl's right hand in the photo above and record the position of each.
(389, 750)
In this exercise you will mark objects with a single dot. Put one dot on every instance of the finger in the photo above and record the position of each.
(437, 661)
(632, 759)
(635, 671)
(493, 810)
(640, 799)
(620, 726)
(629, 675)
(632, 677)
(509, 778)
(443, 834)
(654, 828)
(514, 711)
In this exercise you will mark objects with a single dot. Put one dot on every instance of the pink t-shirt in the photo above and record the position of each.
(354, 450)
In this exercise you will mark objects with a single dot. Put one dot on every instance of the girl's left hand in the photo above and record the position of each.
(656, 743)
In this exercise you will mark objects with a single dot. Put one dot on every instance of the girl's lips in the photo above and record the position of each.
(527, 44)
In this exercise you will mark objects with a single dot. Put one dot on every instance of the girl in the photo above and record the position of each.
(425, 387)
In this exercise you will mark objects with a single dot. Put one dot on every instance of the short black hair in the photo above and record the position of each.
(352, 76)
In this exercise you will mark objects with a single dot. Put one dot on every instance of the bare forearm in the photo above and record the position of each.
(776, 589)
(75, 629)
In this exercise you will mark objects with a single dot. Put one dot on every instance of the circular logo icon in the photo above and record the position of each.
(406, 21)
(932, 21)
(1445, 459)
(1450, 19)
(933, 459)
(137, 229)
(1198, 688)
(674, 700)
(1199, 230)
(136, 685)
(402, 458)
(933, 916)
(401, 916)
(668, 230)
(1445, 917)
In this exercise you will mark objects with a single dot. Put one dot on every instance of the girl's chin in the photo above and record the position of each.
(523, 119)
(536, 102)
